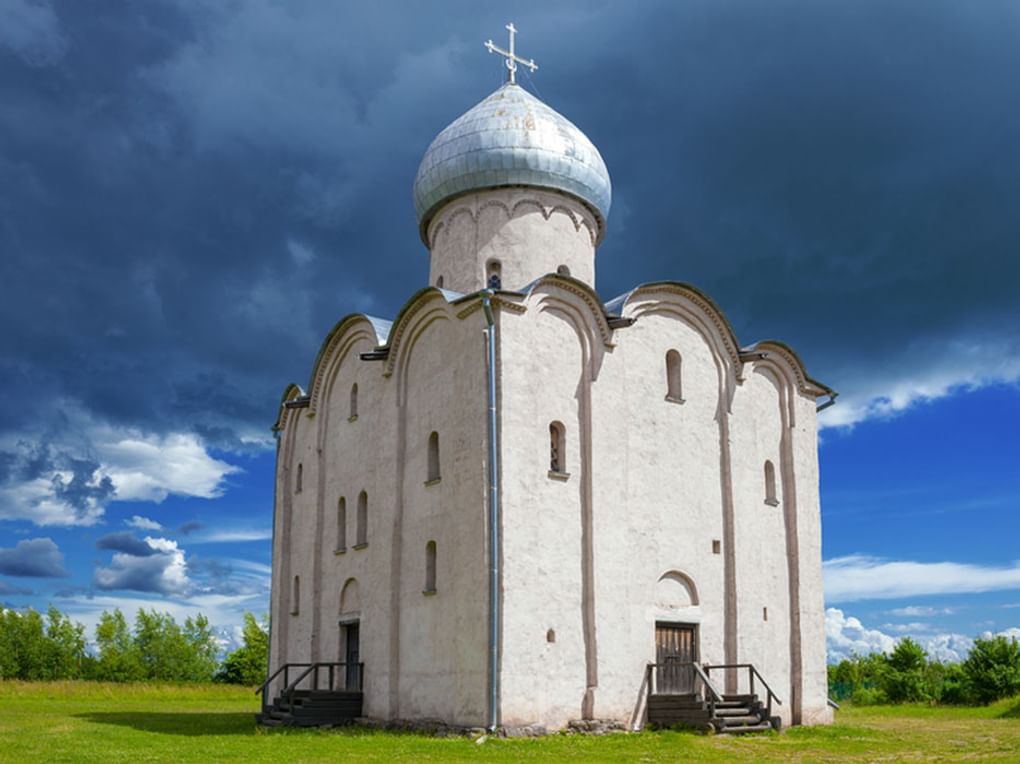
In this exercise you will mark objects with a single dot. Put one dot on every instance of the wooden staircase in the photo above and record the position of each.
(311, 699)
(310, 708)
(704, 707)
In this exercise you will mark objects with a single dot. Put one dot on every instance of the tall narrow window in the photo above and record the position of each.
(439, 282)
(354, 403)
(300, 478)
(362, 536)
(557, 448)
(433, 458)
(770, 485)
(430, 568)
(494, 274)
(674, 386)
(295, 596)
(341, 525)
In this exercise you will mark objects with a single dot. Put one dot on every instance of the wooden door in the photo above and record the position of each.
(352, 656)
(676, 648)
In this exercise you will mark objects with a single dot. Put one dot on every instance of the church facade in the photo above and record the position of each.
(505, 503)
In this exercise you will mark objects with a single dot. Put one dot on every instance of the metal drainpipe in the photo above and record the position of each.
(272, 549)
(494, 540)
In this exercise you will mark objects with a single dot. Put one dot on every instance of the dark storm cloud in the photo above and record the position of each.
(33, 558)
(81, 490)
(7, 589)
(127, 542)
(194, 194)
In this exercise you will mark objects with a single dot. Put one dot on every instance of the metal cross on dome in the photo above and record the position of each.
(512, 59)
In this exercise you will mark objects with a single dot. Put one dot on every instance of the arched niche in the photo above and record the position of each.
(350, 598)
(674, 591)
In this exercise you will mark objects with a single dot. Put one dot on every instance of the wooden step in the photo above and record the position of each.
(743, 729)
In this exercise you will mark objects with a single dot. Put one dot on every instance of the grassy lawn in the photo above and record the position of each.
(68, 721)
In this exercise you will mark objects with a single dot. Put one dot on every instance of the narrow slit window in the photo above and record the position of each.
(362, 537)
(299, 479)
(557, 448)
(341, 525)
(354, 402)
(494, 274)
(433, 458)
(430, 567)
(770, 485)
(295, 596)
(674, 381)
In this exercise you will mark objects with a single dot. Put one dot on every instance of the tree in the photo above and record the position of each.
(64, 646)
(992, 669)
(904, 681)
(247, 664)
(119, 660)
(200, 649)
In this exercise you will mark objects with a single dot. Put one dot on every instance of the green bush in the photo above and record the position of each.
(992, 670)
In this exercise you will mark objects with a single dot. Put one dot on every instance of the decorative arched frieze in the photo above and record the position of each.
(781, 376)
(584, 295)
(291, 393)
(636, 302)
(465, 206)
(344, 334)
(430, 297)
(780, 351)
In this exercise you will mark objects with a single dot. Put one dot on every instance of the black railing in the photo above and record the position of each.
(339, 677)
(678, 677)
(752, 673)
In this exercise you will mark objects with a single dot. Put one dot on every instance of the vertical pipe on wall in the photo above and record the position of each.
(494, 540)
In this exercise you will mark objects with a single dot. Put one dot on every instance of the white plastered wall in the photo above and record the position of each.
(424, 655)
(530, 232)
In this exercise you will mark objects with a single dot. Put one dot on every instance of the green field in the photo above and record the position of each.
(70, 721)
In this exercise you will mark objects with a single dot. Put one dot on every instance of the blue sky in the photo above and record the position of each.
(195, 192)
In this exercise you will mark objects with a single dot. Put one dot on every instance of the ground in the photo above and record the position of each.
(70, 721)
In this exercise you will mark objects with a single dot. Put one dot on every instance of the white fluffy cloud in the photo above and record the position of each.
(143, 523)
(163, 572)
(150, 468)
(70, 481)
(859, 577)
(928, 373)
(846, 635)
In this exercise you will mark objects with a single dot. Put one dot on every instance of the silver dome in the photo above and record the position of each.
(511, 139)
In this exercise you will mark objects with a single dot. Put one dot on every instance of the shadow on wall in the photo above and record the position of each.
(187, 724)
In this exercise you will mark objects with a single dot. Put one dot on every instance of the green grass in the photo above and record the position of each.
(71, 721)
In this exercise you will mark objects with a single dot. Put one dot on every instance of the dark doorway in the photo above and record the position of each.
(352, 655)
(676, 648)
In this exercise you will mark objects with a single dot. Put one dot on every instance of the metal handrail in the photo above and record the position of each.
(752, 672)
(289, 687)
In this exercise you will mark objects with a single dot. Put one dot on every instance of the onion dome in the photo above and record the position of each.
(511, 139)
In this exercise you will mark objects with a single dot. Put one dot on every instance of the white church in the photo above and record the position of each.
(516, 504)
